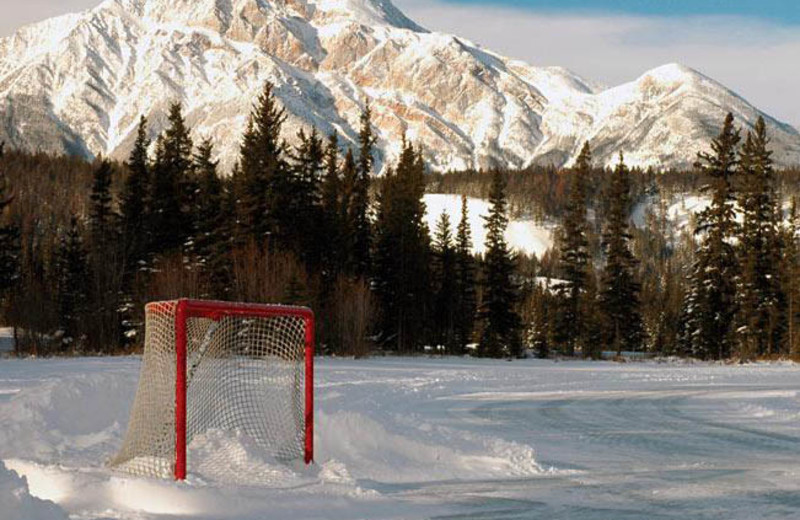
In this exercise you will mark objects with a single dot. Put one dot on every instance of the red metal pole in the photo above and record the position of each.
(180, 391)
(309, 456)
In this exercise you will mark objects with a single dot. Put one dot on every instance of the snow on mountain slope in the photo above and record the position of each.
(527, 236)
(79, 83)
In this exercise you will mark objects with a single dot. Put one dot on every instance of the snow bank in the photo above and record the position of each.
(421, 453)
(527, 236)
(17, 503)
(73, 418)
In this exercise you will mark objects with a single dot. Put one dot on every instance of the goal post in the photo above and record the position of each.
(234, 369)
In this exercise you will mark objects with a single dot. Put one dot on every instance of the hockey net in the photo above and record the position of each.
(212, 368)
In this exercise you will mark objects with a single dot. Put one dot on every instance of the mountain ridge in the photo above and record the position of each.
(78, 83)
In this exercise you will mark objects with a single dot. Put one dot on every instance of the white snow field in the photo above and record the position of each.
(527, 236)
(430, 438)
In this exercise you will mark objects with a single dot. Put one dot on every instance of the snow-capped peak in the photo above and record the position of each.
(79, 84)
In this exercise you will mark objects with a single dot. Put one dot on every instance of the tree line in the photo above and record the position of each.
(307, 224)
(83, 246)
(723, 288)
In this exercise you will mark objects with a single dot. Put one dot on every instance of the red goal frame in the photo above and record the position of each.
(215, 310)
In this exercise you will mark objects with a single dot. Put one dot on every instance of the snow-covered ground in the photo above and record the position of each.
(431, 438)
(526, 236)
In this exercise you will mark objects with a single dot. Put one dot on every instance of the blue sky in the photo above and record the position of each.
(751, 46)
(783, 11)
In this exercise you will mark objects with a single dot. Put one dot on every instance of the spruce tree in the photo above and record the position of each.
(9, 239)
(358, 219)
(573, 249)
(135, 203)
(402, 251)
(212, 242)
(621, 318)
(135, 231)
(263, 168)
(501, 333)
(106, 264)
(790, 266)
(170, 198)
(445, 285)
(102, 219)
(466, 299)
(72, 277)
(711, 300)
(332, 228)
(303, 215)
(761, 320)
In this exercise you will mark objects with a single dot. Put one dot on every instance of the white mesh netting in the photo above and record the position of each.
(245, 381)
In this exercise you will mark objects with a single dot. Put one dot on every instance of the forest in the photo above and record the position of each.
(84, 245)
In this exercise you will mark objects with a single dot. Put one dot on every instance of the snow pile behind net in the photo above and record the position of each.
(245, 380)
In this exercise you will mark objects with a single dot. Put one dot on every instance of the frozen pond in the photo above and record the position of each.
(432, 438)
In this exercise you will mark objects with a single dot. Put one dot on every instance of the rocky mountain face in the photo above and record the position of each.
(79, 83)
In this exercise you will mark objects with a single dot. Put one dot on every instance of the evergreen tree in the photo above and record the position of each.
(790, 266)
(761, 302)
(72, 276)
(620, 311)
(263, 168)
(135, 203)
(303, 220)
(711, 301)
(501, 334)
(445, 285)
(102, 219)
(466, 299)
(212, 243)
(9, 239)
(106, 263)
(170, 223)
(574, 258)
(333, 232)
(402, 254)
(358, 209)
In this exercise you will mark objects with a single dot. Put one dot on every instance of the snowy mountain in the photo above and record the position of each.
(79, 83)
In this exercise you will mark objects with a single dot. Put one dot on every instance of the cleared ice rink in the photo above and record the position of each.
(430, 438)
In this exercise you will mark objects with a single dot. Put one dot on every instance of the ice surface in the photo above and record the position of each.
(431, 438)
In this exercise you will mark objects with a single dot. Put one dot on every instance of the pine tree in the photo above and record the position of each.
(711, 300)
(620, 310)
(212, 243)
(761, 303)
(445, 285)
(135, 231)
(574, 258)
(135, 204)
(501, 334)
(358, 209)
(402, 248)
(72, 276)
(9, 239)
(304, 218)
(790, 266)
(102, 219)
(466, 299)
(332, 230)
(106, 263)
(263, 168)
(170, 222)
